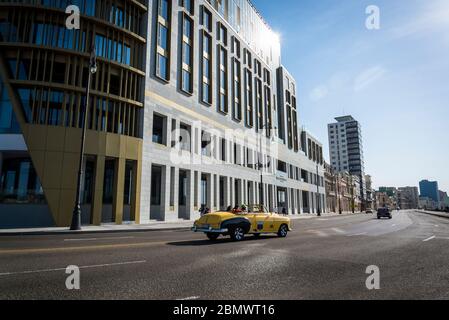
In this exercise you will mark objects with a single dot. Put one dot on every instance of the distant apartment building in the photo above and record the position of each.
(427, 203)
(342, 191)
(346, 149)
(390, 191)
(408, 198)
(429, 189)
(444, 200)
(383, 200)
(369, 192)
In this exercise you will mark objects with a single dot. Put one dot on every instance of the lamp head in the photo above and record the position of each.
(93, 60)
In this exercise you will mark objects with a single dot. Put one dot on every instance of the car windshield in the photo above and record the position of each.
(256, 208)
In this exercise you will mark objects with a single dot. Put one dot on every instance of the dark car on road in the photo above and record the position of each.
(384, 213)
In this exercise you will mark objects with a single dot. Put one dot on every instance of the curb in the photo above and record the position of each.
(69, 232)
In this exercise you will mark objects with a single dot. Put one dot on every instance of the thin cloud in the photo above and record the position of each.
(368, 76)
(434, 18)
(319, 93)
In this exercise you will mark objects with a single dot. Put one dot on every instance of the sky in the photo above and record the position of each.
(394, 81)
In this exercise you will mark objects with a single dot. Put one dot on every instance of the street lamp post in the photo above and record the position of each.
(76, 218)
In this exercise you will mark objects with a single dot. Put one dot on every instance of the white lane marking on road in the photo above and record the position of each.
(358, 234)
(82, 267)
(337, 230)
(323, 219)
(188, 298)
(394, 225)
(428, 239)
(95, 239)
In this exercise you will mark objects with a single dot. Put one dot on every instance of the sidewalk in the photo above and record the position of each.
(152, 226)
(436, 213)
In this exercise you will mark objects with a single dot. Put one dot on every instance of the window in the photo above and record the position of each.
(163, 40)
(206, 65)
(207, 19)
(222, 34)
(206, 141)
(236, 47)
(223, 144)
(185, 139)
(156, 185)
(282, 166)
(223, 80)
(187, 55)
(236, 92)
(189, 6)
(19, 182)
(159, 125)
(248, 59)
(268, 116)
(259, 103)
(249, 98)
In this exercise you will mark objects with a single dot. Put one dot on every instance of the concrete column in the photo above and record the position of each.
(288, 200)
(97, 201)
(119, 185)
(273, 198)
(210, 191)
(216, 192)
(198, 190)
(227, 191)
(232, 192)
(256, 191)
(175, 190)
(242, 191)
(169, 132)
(267, 195)
(165, 194)
(175, 133)
(135, 203)
(292, 201)
(312, 202)
(191, 212)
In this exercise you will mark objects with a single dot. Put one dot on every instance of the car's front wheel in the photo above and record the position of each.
(283, 231)
(237, 234)
(212, 236)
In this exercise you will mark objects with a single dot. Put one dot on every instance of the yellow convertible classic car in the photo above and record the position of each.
(252, 219)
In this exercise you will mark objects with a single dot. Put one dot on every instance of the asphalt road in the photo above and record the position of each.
(324, 258)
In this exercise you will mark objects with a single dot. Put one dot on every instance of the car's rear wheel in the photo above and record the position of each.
(283, 231)
(237, 234)
(212, 236)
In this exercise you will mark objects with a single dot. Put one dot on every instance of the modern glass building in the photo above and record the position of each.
(44, 70)
(187, 105)
(429, 189)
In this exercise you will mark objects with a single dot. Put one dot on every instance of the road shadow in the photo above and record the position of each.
(220, 241)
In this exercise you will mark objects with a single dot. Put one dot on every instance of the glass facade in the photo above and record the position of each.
(8, 121)
(19, 183)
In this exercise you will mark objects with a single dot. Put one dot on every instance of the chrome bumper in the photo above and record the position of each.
(195, 229)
